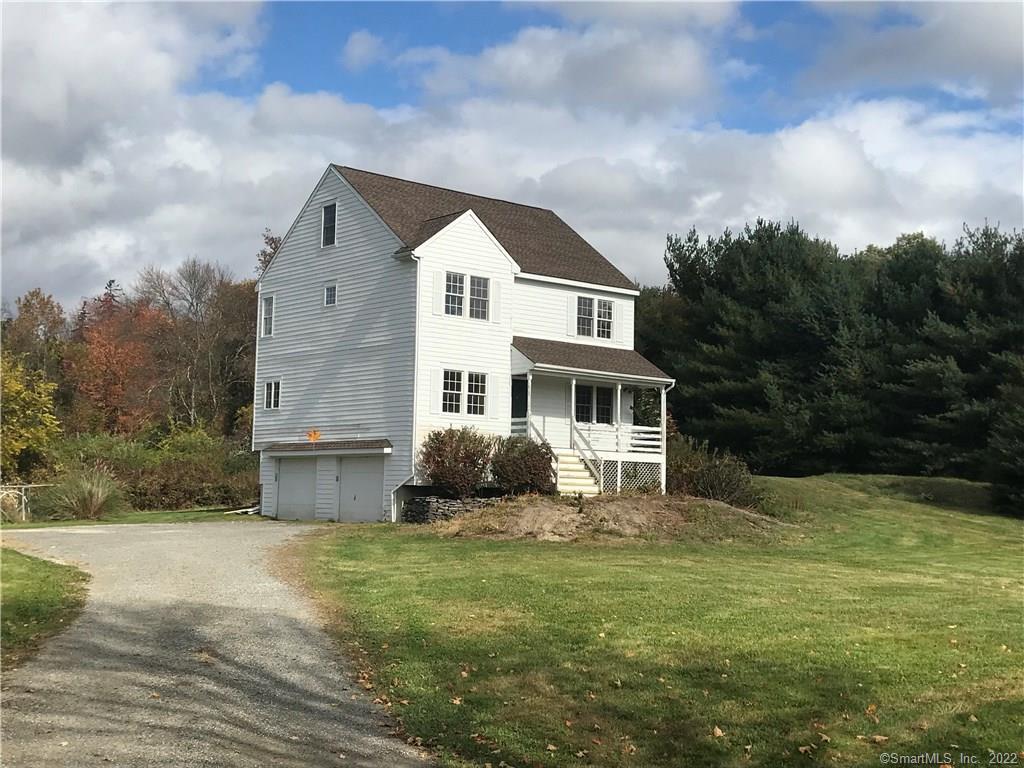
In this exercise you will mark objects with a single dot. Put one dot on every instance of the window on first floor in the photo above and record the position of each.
(451, 393)
(476, 393)
(272, 395)
(594, 404)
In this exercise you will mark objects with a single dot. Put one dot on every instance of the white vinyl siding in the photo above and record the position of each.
(545, 310)
(465, 344)
(349, 372)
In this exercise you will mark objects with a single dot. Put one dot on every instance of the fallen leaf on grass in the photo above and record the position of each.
(870, 712)
(551, 748)
(807, 749)
(457, 700)
(718, 732)
(582, 753)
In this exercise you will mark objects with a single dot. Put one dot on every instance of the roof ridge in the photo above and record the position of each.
(445, 215)
(444, 189)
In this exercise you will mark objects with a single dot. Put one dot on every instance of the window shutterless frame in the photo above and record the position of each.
(328, 224)
(604, 319)
(267, 320)
(272, 395)
(584, 316)
(330, 295)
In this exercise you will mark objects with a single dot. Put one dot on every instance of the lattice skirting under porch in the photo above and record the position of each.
(644, 476)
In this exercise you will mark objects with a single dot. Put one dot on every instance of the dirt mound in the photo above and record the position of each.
(549, 518)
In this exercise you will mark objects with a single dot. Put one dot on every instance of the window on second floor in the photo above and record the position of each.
(584, 316)
(330, 295)
(268, 316)
(604, 319)
(479, 297)
(272, 395)
(329, 221)
(454, 292)
(451, 393)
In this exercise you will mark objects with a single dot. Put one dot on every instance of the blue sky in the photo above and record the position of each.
(167, 130)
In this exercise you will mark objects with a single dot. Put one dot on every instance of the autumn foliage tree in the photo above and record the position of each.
(29, 425)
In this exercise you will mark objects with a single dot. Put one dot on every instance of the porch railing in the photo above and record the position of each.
(519, 426)
(589, 455)
(624, 438)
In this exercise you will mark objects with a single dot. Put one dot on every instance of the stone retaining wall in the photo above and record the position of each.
(427, 509)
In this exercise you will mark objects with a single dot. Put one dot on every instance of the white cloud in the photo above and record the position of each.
(144, 170)
(362, 49)
(971, 48)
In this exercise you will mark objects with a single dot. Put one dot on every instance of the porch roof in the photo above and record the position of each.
(382, 445)
(588, 358)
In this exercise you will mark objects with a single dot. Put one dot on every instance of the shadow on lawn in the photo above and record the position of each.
(144, 686)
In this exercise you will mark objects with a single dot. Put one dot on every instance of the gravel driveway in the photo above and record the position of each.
(189, 653)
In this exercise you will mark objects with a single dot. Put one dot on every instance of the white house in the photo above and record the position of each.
(394, 308)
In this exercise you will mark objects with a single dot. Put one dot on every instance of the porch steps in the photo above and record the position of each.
(573, 475)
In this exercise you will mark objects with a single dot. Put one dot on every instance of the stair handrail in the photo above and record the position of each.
(590, 460)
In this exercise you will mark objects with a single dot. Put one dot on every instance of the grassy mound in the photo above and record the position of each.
(553, 518)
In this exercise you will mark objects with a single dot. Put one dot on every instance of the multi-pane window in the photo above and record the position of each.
(272, 394)
(268, 315)
(584, 404)
(603, 404)
(479, 297)
(454, 293)
(330, 217)
(451, 393)
(604, 319)
(330, 295)
(584, 316)
(476, 393)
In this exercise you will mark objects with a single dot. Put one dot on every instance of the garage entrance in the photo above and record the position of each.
(362, 489)
(297, 489)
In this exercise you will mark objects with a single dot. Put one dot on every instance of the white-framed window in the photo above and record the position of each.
(604, 319)
(584, 316)
(454, 293)
(594, 404)
(330, 295)
(267, 327)
(329, 224)
(479, 297)
(272, 395)
(476, 393)
(451, 392)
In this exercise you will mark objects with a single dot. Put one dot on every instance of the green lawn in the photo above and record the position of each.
(37, 599)
(157, 516)
(889, 620)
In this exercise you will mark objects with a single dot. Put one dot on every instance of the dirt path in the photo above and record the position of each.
(189, 653)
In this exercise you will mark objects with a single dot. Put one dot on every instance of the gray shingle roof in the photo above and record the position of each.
(539, 241)
(588, 357)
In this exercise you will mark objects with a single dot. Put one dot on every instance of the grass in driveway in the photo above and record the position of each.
(37, 599)
(889, 619)
(203, 515)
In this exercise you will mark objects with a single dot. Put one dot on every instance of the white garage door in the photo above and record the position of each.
(296, 489)
(362, 488)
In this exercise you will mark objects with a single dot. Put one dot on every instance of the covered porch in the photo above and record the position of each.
(604, 407)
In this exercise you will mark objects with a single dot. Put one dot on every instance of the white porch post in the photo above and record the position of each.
(529, 403)
(664, 444)
(572, 412)
(618, 416)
